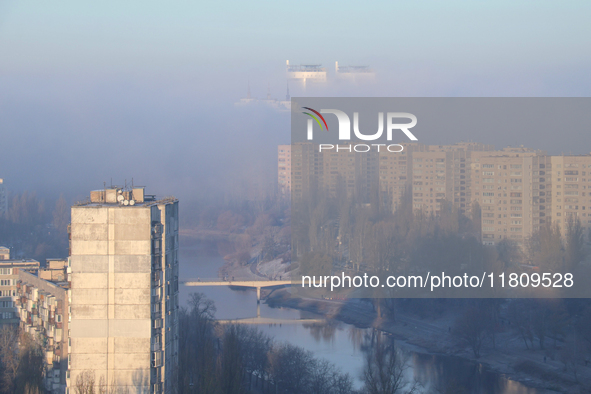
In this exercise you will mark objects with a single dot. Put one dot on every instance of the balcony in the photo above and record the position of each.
(156, 359)
(157, 279)
(156, 346)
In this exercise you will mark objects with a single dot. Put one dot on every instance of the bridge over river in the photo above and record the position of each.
(251, 283)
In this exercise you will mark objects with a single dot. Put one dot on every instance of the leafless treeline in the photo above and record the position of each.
(240, 359)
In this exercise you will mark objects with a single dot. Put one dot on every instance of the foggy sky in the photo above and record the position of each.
(90, 92)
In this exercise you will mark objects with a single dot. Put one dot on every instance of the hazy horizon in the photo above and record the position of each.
(90, 92)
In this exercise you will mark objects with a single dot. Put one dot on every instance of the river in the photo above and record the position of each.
(337, 342)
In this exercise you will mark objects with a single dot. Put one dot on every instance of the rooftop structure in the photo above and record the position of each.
(306, 73)
(354, 73)
(280, 105)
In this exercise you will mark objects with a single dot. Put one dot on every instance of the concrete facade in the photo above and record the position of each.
(284, 169)
(43, 308)
(570, 197)
(9, 276)
(503, 186)
(124, 310)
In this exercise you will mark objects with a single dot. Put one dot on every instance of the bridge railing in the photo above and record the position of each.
(233, 279)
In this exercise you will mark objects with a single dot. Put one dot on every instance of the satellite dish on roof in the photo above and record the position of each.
(125, 202)
(120, 198)
(131, 202)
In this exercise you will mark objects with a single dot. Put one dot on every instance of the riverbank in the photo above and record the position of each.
(434, 336)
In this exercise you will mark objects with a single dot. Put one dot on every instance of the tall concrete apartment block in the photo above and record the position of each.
(570, 196)
(331, 171)
(503, 185)
(284, 169)
(124, 290)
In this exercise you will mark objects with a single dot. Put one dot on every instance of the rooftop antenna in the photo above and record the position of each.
(287, 96)
(111, 182)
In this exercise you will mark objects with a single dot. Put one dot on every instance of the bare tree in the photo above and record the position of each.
(385, 367)
(9, 357)
(471, 327)
(575, 251)
(85, 383)
(520, 314)
(290, 368)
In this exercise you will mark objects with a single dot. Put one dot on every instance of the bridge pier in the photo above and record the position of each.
(258, 295)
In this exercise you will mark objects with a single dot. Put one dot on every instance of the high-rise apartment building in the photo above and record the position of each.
(570, 196)
(518, 189)
(284, 169)
(124, 289)
(503, 185)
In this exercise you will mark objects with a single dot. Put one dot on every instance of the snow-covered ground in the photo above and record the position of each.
(274, 269)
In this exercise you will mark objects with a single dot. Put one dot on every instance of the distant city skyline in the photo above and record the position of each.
(516, 190)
